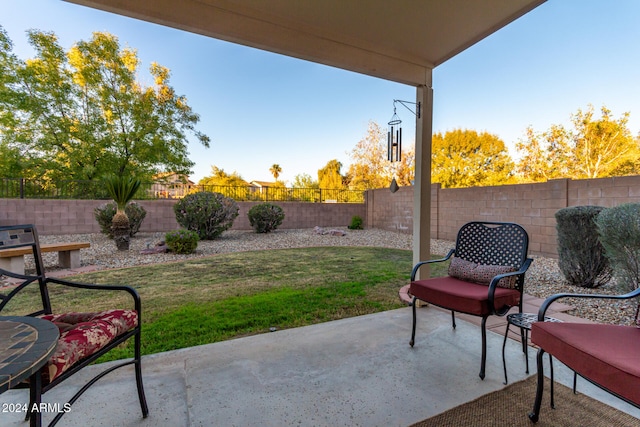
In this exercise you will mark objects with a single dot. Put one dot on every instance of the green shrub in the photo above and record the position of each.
(619, 230)
(356, 223)
(581, 256)
(265, 217)
(208, 214)
(104, 215)
(181, 241)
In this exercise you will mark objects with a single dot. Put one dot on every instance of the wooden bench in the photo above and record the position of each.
(68, 255)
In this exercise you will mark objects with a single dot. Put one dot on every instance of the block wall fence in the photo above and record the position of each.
(76, 216)
(531, 205)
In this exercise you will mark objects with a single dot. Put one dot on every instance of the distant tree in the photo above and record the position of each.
(219, 177)
(304, 180)
(465, 158)
(369, 167)
(405, 169)
(329, 177)
(83, 114)
(275, 171)
(594, 148)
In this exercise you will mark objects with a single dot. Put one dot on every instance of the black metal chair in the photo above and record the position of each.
(486, 275)
(106, 329)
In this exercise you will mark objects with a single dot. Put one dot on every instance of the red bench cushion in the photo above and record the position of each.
(606, 354)
(462, 296)
(83, 334)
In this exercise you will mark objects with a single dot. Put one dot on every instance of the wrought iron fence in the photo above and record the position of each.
(74, 189)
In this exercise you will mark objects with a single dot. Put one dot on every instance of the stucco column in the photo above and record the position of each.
(422, 184)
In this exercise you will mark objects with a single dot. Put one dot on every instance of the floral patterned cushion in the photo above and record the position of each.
(82, 334)
(481, 273)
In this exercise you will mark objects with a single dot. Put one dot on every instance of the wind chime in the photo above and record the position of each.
(394, 139)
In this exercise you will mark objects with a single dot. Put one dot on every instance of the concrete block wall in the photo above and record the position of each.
(76, 216)
(531, 205)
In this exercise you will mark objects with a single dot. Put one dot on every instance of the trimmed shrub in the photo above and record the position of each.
(356, 223)
(104, 215)
(619, 230)
(208, 214)
(265, 217)
(581, 255)
(182, 241)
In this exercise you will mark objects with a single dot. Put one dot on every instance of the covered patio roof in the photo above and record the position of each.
(401, 41)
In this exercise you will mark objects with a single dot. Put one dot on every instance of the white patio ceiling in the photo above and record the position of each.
(392, 39)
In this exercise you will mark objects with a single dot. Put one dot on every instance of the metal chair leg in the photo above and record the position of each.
(484, 348)
(535, 412)
(413, 328)
(453, 318)
(504, 361)
(138, 369)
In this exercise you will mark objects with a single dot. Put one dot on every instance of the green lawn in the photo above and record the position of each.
(231, 295)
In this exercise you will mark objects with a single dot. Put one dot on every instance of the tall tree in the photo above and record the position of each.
(275, 170)
(369, 167)
(329, 176)
(83, 114)
(465, 158)
(594, 148)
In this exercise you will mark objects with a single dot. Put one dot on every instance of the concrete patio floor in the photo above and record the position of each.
(352, 372)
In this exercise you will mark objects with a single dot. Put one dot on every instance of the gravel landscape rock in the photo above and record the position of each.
(542, 280)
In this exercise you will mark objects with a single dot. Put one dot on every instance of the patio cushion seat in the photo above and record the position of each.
(606, 354)
(83, 334)
(462, 296)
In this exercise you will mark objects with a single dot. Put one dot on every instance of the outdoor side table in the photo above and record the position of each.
(524, 322)
(26, 345)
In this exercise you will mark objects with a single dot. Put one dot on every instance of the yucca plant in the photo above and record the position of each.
(121, 189)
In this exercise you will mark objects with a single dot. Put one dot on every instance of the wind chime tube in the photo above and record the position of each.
(389, 145)
(399, 155)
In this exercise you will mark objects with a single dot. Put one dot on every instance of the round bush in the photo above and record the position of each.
(356, 223)
(208, 214)
(104, 215)
(619, 229)
(581, 256)
(265, 217)
(181, 241)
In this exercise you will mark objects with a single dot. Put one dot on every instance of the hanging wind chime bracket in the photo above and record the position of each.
(394, 136)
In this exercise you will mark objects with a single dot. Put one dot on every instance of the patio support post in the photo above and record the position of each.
(422, 183)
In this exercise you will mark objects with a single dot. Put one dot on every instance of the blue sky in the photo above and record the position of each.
(261, 108)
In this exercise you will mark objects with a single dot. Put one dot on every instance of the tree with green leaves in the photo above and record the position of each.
(466, 158)
(594, 148)
(219, 177)
(304, 180)
(83, 114)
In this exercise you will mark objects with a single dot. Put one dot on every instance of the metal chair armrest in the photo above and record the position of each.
(431, 261)
(550, 300)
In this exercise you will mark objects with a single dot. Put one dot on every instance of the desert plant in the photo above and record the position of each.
(581, 256)
(265, 217)
(356, 223)
(181, 241)
(104, 215)
(619, 230)
(121, 189)
(208, 214)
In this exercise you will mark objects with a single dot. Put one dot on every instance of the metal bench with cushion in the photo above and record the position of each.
(84, 337)
(604, 354)
(486, 275)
